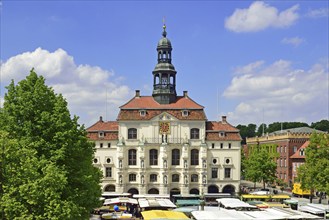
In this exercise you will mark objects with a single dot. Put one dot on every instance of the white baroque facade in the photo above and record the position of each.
(164, 144)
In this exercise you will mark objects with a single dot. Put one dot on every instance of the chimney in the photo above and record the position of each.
(224, 120)
(185, 94)
(137, 93)
(100, 118)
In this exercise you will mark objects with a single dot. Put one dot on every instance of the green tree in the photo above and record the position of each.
(314, 173)
(261, 129)
(322, 125)
(260, 166)
(48, 165)
(246, 131)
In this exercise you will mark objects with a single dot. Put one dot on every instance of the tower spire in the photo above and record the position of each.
(164, 73)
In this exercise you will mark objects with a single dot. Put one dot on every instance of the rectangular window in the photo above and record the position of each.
(175, 157)
(221, 145)
(132, 133)
(175, 178)
(101, 145)
(153, 157)
(132, 177)
(214, 173)
(153, 178)
(194, 157)
(295, 149)
(108, 172)
(108, 145)
(212, 145)
(132, 157)
(194, 178)
(227, 173)
(195, 133)
(229, 145)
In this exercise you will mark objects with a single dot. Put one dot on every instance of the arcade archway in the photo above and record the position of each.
(133, 191)
(229, 189)
(194, 191)
(153, 191)
(213, 189)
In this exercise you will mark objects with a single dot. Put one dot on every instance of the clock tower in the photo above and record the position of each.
(164, 73)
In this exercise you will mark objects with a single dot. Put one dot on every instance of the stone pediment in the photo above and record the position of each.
(164, 116)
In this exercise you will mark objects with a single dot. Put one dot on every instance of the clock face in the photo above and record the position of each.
(164, 127)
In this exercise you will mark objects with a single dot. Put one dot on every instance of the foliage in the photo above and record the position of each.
(261, 129)
(314, 174)
(322, 125)
(243, 163)
(47, 157)
(277, 126)
(261, 166)
(246, 131)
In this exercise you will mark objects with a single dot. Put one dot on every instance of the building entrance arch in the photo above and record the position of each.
(195, 191)
(213, 189)
(133, 191)
(153, 191)
(229, 189)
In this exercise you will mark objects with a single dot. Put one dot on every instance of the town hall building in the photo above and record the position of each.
(164, 144)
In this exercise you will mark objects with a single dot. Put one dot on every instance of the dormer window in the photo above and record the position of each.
(185, 113)
(142, 113)
(222, 134)
(101, 134)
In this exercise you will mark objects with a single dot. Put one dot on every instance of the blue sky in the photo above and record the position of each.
(253, 61)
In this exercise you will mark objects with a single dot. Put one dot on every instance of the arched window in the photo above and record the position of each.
(194, 178)
(175, 178)
(194, 157)
(132, 177)
(175, 157)
(132, 133)
(195, 133)
(132, 157)
(153, 178)
(153, 157)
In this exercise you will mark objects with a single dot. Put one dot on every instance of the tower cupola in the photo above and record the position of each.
(164, 73)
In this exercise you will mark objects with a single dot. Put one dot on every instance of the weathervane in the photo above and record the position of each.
(164, 33)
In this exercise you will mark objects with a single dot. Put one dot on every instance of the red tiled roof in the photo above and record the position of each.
(110, 129)
(107, 136)
(134, 114)
(148, 102)
(220, 126)
(104, 126)
(213, 129)
(297, 155)
(229, 136)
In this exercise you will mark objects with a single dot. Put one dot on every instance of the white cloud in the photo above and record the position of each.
(250, 68)
(89, 90)
(318, 13)
(260, 16)
(295, 41)
(280, 92)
